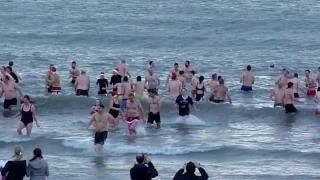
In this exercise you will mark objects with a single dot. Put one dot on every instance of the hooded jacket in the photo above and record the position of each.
(16, 170)
(143, 172)
(38, 169)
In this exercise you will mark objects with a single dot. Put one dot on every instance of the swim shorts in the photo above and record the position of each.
(73, 81)
(100, 137)
(246, 88)
(56, 90)
(123, 105)
(154, 117)
(8, 103)
(311, 92)
(132, 122)
(184, 112)
(296, 95)
(217, 101)
(48, 88)
(138, 98)
(81, 92)
(194, 92)
(290, 108)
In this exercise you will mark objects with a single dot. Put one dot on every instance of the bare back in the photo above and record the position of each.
(247, 78)
(220, 92)
(83, 82)
(139, 88)
(288, 96)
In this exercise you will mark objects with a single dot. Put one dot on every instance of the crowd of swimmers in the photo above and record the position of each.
(126, 94)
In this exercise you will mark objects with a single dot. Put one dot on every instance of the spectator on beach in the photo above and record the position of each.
(15, 169)
(38, 168)
(190, 169)
(141, 171)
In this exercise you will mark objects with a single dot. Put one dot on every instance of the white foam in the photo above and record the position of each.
(191, 120)
(8, 139)
(141, 131)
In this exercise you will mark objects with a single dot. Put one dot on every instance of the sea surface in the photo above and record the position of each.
(246, 140)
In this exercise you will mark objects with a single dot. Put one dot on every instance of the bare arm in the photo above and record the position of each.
(159, 104)
(1, 92)
(241, 78)
(168, 78)
(141, 109)
(158, 79)
(272, 94)
(18, 88)
(34, 115)
(76, 84)
(92, 119)
(88, 83)
(111, 87)
(253, 78)
(17, 115)
(228, 96)
(315, 99)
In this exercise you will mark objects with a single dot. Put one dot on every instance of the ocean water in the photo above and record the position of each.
(247, 140)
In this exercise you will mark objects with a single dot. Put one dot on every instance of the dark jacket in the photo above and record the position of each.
(143, 172)
(191, 176)
(17, 170)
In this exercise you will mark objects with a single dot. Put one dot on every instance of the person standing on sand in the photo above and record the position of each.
(247, 80)
(82, 84)
(101, 120)
(74, 72)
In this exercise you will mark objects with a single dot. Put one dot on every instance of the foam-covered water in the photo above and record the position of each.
(246, 140)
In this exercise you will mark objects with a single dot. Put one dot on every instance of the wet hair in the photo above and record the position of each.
(150, 62)
(214, 76)
(125, 78)
(193, 72)
(284, 69)
(101, 105)
(10, 68)
(18, 153)
(138, 78)
(176, 64)
(96, 101)
(290, 84)
(153, 91)
(308, 70)
(188, 62)
(181, 72)
(201, 78)
(29, 99)
(221, 81)
(249, 68)
(295, 75)
(73, 62)
(37, 153)
(140, 158)
(219, 77)
(51, 65)
(131, 95)
(190, 167)
(10, 63)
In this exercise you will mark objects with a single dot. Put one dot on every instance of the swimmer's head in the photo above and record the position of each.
(37, 153)
(139, 78)
(187, 63)
(214, 76)
(83, 72)
(219, 77)
(6, 78)
(17, 152)
(193, 72)
(102, 74)
(271, 66)
(248, 68)
(151, 63)
(307, 72)
(174, 77)
(27, 99)
(2, 69)
(280, 85)
(131, 97)
(11, 63)
(9, 69)
(125, 79)
(73, 64)
(176, 65)
(190, 167)
(152, 93)
(290, 85)
(295, 75)
(123, 61)
(221, 81)
(181, 72)
(98, 102)
(183, 91)
(201, 79)
(100, 108)
(50, 66)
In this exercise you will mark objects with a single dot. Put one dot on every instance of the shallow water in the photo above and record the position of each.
(246, 140)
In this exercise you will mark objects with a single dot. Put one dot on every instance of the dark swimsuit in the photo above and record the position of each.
(199, 96)
(26, 116)
(113, 112)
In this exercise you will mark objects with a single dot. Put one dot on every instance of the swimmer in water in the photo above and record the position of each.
(174, 86)
(271, 67)
(289, 98)
(114, 106)
(14, 75)
(28, 114)
(133, 113)
(183, 101)
(13, 70)
(9, 89)
(55, 86)
(123, 68)
(82, 84)
(247, 80)
(138, 88)
(74, 72)
(182, 78)
(316, 99)
(49, 78)
(221, 92)
(214, 83)
(96, 106)
(310, 83)
(174, 70)
(278, 94)
(187, 71)
(101, 120)
(154, 109)
(200, 89)
(103, 83)
(153, 81)
(296, 85)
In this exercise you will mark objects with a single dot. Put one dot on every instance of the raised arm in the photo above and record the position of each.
(272, 94)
